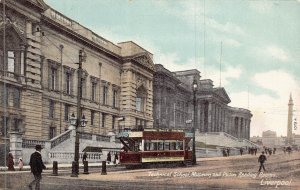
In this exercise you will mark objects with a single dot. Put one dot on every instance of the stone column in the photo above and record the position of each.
(210, 118)
(239, 127)
(218, 118)
(16, 145)
(214, 118)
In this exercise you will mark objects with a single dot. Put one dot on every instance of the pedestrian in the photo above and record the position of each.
(10, 162)
(228, 151)
(261, 159)
(108, 159)
(241, 151)
(84, 157)
(20, 164)
(274, 150)
(115, 158)
(255, 151)
(36, 166)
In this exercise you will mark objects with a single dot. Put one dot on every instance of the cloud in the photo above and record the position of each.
(269, 112)
(271, 52)
(280, 82)
(261, 6)
(228, 27)
(277, 53)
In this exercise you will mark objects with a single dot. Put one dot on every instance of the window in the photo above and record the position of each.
(67, 112)
(22, 63)
(4, 126)
(68, 83)
(51, 109)
(11, 61)
(138, 104)
(16, 98)
(103, 120)
(92, 117)
(105, 94)
(115, 96)
(16, 124)
(52, 132)
(52, 78)
(94, 86)
(113, 122)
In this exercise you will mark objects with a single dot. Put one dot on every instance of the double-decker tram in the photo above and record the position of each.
(153, 146)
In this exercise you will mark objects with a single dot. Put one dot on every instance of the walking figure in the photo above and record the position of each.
(228, 151)
(108, 159)
(10, 162)
(37, 166)
(261, 159)
(20, 164)
(241, 151)
(116, 158)
(84, 157)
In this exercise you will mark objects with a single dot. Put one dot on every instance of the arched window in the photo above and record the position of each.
(140, 100)
(14, 52)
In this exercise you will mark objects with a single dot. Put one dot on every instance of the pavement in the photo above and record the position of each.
(50, 167)
(69, 165)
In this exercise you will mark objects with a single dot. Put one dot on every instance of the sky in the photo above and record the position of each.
(257, 43)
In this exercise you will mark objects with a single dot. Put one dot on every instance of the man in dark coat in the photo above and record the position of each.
(37, 166)
(261, 159)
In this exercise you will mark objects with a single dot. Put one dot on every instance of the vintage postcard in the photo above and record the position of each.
(149, 94)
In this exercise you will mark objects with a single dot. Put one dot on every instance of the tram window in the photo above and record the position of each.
(147, 145)
(154, 146)
(179, 145)
(167, 145)
(172, 145)
(160, 145)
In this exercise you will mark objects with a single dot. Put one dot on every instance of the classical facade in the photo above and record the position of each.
(38, 75)
(173, 104)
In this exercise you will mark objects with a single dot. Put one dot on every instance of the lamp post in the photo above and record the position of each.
(195, 87)
(79, 121)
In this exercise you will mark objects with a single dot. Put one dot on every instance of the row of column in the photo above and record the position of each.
(214, 117)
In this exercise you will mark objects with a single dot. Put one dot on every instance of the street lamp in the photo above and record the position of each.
(195, 87)
(80, 121)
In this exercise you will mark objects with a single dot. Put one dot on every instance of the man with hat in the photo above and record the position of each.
(37, 166)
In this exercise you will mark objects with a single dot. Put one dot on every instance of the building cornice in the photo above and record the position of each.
(86, 42)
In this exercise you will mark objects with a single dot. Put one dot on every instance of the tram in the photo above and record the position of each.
(154, 146)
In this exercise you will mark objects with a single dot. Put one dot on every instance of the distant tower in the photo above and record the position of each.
(290, 121)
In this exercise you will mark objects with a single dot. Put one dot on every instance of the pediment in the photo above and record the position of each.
(145, 60)
(221, 92)
(13, 31)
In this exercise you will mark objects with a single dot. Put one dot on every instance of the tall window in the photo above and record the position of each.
(94, 86)
(52, 132)
(51, 109)
(67, 112)
(140, 98)
(16, 98)
(103, 120)
(11, 61)
(92, 117)
(105, 94)
(115, 96)
(68, 83)
(52, 78)
(138, 104)
(113, 122)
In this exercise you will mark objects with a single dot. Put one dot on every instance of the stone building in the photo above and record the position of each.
(38, 75)
(173, 104)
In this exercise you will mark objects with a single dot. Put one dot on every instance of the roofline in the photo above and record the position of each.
(136, 45)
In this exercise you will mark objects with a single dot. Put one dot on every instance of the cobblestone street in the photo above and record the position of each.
(238, 172)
